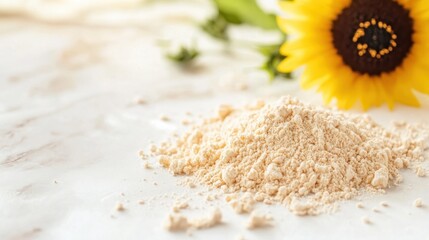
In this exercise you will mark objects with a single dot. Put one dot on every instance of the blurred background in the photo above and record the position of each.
(66, 47)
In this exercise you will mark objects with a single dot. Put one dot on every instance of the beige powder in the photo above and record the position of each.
(291, 153)
(366, 220)
(177, 222)
(257, 220)
(241, 204)
(418, 203)
(180, 206)
(119, 207)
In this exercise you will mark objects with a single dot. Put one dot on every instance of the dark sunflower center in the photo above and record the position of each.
(373, 37)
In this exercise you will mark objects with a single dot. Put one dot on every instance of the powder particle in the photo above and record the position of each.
(257, 220)
(215, 218)
(420, 172)
(360, 205)
(179, 206)
(143, 155)
(224, 111)
(142, 202)
(375, 210)
(384, 204)
(211, 197)
(139, 101)
(381, 178)
(287, 151)
(119, 207)
(302, 209)
(418, 203)
(186, 122)
(147, 165)
(366, 220)
(258, 104)
(243, 204)
(164, 118)
(177, 222)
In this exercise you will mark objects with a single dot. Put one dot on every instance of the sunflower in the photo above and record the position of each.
(372, 51)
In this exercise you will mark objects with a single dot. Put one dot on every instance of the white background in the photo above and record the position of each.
(70, 129)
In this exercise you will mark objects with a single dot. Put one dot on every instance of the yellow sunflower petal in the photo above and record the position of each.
(403, 93)
(313, 43)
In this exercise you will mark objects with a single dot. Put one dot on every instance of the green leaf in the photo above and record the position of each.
(273, 59)
(217, 27)
(184, 56)
(245, 11)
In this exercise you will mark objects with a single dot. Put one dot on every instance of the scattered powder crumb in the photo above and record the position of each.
(360, 205)
(211, 197)
(119, 207)
(375, 210)
(139, 101)
(420, 172)
(143, 155)
(257, 220)
(177, 222)
(418, 203)
(147, 165)
(179, 206)
(186, 122)
(366, 220)
(215, 218)
(384, 204)
(189, 182)
(164, 118)
(302, 209)
(258, 104)
(224, 111)
(155, 183)
(242, 205)
(142, 202)
(288, 152)
(398, 180)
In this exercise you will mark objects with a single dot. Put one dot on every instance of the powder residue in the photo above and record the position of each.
(180, 206)
(257, 220)
(292, 153)
(241, 204)
(177, 222)
(119, 207)
(366, 220)
(418, 203)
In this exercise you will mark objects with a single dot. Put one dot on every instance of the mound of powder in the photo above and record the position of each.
(292, 153)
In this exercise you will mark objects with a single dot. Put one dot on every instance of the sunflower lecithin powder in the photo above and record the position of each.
(292, 153)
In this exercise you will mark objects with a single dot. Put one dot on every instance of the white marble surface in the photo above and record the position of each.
(70, 131)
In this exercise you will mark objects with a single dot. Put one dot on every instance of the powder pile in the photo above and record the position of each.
(292, 153)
